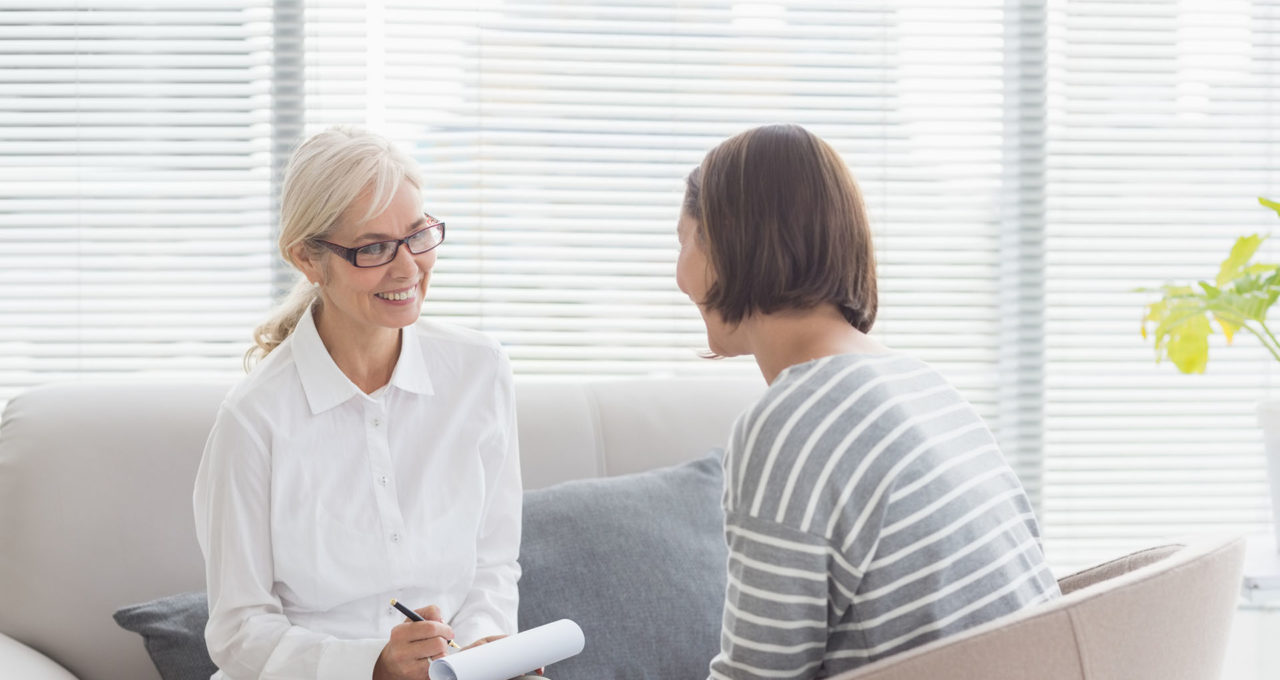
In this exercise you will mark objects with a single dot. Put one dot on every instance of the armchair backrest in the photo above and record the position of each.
(1158, 614)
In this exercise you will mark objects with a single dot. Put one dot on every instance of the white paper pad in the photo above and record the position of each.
(513, 655)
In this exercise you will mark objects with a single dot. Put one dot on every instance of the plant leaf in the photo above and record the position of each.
(1229, 325)
(1188, 345)
(1156, 311)
(1172, 292)
(1243, 250)
(1240, 297)
(1181, 329)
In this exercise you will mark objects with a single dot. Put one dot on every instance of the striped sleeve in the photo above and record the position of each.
(782, 582)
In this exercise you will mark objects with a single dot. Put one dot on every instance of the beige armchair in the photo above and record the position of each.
(1159, 614)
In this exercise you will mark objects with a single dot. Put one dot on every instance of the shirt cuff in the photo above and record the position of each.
(347, 659)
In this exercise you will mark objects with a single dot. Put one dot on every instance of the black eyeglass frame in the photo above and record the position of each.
(350, 254)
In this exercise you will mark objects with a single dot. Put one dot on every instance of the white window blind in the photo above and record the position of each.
(1026, 164)
(1162, 131)
(556, 136)
(134, 186)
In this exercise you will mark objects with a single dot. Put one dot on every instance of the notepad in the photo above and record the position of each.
(513, 655)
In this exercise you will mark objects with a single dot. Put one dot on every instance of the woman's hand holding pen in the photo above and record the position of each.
(413, 644)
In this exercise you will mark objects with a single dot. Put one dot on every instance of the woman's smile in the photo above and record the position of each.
(403, 296)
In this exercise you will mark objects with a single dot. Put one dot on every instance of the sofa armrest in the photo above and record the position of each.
(21, 661)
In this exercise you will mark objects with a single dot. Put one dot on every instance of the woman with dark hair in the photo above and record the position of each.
(868, 509)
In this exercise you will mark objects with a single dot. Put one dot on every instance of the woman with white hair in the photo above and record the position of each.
(369, 455)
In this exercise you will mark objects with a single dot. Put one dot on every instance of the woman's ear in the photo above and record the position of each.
(307, 261)
(708, 270)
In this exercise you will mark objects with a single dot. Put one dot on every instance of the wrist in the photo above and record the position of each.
(380, 668)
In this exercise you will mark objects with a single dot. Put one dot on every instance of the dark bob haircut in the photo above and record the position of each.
(784, 227)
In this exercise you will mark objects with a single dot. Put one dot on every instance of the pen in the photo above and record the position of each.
(413, 616)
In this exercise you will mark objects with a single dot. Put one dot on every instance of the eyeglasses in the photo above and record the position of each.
(383, 252)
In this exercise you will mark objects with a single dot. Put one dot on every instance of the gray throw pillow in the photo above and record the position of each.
(172, 630)
(638, 561)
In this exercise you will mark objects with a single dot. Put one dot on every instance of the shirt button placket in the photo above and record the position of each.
(380, 463)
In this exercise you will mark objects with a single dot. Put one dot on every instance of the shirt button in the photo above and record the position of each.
(383, 481)
(395, 538)
(377, 422)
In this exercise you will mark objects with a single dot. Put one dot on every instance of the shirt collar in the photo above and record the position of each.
(410, 373)
(326, 385)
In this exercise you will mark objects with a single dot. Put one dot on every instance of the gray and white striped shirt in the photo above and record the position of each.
(868, 510)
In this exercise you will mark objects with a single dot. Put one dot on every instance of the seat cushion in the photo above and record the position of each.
(638, 561)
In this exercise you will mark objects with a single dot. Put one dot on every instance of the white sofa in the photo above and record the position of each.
(95, 513)
(95, 494)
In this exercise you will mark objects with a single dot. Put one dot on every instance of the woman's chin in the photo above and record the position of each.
(719, 349)
(411, 318)
(400, 317)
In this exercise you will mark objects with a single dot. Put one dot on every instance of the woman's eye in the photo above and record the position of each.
(374, 249)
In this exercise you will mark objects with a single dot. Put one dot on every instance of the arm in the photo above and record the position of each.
(490, 606)
(248, 634)
(777, 604)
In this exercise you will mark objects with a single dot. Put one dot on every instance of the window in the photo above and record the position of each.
(1162, 124)
(557, 137)
(1026, 165)
(135, 209)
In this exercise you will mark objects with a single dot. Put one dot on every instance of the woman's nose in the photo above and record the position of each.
(403, 263)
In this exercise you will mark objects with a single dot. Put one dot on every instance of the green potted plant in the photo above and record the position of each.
(1181, 322)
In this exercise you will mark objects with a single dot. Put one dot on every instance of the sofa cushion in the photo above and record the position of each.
(638, 561)
(172, 630)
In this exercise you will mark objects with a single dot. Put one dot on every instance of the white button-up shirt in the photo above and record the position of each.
(316, 504)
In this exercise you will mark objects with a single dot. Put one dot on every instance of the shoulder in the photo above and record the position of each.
(459, 359)
(267, 374)
(853, 384)
(821, 421)
(272, 384)
(438, 337)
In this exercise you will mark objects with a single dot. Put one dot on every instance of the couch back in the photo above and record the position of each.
(96, 481)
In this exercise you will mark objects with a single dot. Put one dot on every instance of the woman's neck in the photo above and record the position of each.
(785, 339)
(367, 356)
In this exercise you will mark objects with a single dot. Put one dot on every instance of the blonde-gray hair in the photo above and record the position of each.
(327, 174)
